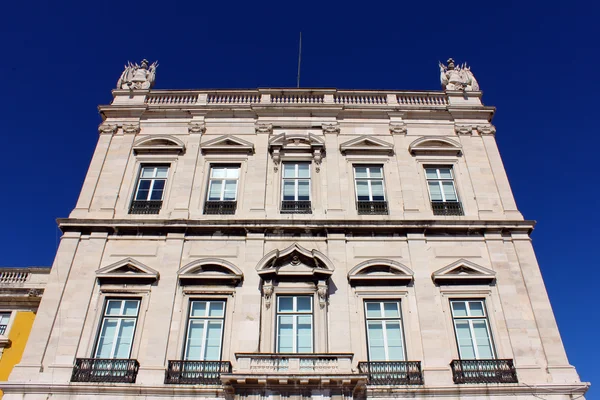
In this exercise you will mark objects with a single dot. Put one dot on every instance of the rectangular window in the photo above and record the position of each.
(384, 331)
(150, 189)
(118, 327)
(442, 192)
(370, 193)
(295, 193)
(294, 324)
(222, 189)
(4, 318)
(472, 329)
(205, 330)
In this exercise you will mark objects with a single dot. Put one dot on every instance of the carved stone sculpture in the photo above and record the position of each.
(196, 127)
(457, 77)
(105, 128)
(136, 76)
(398, 129)
(267, 290)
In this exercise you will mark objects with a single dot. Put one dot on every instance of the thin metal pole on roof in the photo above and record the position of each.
(299, 60)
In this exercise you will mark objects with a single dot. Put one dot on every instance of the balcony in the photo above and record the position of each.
(483, 371)
(196, 372)
(447, 208)
(220, 207)
(145, 207)
(296, 207)
(105, 370)
(392, 372)
(372, 207)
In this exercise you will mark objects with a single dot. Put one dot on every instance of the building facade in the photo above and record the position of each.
(295, 243)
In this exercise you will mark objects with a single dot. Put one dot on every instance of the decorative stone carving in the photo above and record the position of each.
(457, 77)
(486, 129)
(331, 128)
(276, 156)
(264, 128)
(35, 292)
(267, 290)
(137, 77)
(398, 128)
(107, 129)
(131, 128)
(322, 292)
(463, 129)
(297, 143)
(196, 127)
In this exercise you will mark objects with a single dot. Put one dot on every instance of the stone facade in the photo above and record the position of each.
(342, 240)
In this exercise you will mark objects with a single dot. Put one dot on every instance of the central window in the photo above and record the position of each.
(150, 189)
(370, 194)
(295, 193)
(222, 189)
(384, 331)
(294, 324)
(472, 329)
(205, 330)
(118, 327)
(442, 192)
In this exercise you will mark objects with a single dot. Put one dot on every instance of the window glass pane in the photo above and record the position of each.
(303, 170)
(193, 349)
(233, 172)
(218, 172)
(131, 307)
(106, 339)
(157, 190)
(198, 309)
(377, 190)
(289, 170)
(484, 346)
(435, 191)
(449, 191)
(376, 172)
(161, 172)
(304, 303)
(304, 338)
(431, 173)
(394, 341)
(445, 173)
(376, 343)
(143, 189)
(4, 319)
(285, 335)
(230, 190)
(113, 307)
(216, 308)
(362, 191)
(286, 304)
(476, 309)
(289, 190)
(303, 190)
(459, 308)
(148, 172)
(373, 310)
(213, 341)
(391, 310)
(214, 192)
(124, 338)
(360, 172)
(465, 342)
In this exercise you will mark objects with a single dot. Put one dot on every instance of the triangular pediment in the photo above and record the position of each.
(380, 272)
(435, 145)
(463, 272)
(367, 144)
(210, 271)
(127, 270)
(295, 261)
(158, 144)
(227, 143)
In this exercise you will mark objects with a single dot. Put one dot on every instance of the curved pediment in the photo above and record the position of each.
(127, 270)
(209, 270)
(435, 145)
(227, 144)
(366, 145)
(159, 144)
(295, 261)
(463, 272)
(296, 140)
(380, 272)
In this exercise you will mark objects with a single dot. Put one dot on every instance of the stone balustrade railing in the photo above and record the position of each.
(13, 277)
(284, 363)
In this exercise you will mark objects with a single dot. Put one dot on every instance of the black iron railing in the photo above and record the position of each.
(296, 207)
(145, 207)
(447, 208)
(483, 371)
(372, 207)
(392, 372)
(2, 329)
(220, 207)
(196, 372)
(105, 370)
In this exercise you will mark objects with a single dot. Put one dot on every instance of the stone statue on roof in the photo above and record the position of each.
(457, 77)
(136, 76)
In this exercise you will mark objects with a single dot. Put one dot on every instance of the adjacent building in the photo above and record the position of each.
(295, 243)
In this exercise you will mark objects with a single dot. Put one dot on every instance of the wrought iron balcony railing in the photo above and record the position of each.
(2, 329)
(392, 372)
(296, 207)
(145, 207)
(220, 207)
(196, 372)
(372, 207)
(483, 371)
(105, 370)
(447, 208)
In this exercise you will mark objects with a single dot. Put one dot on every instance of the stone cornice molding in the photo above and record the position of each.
(210, 269)
(366, 144)
(127, 270)
(381, 271)
(227, 144)
(435, 145)
(463, 272)
(158, 144)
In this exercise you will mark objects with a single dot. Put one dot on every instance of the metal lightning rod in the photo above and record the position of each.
(299, 60)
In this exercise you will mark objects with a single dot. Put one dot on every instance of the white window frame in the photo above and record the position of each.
(440, 181)
(369, 179)
(7, 315)
(296, 179)
(120, 317)
(153, 180)
(295, 314)
(223, 180)
(206, 319)
(470, 318)
(384, 321)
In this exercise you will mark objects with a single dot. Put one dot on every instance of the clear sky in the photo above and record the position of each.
(537, 62)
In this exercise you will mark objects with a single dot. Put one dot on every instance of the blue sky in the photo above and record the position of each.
(537, 62)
